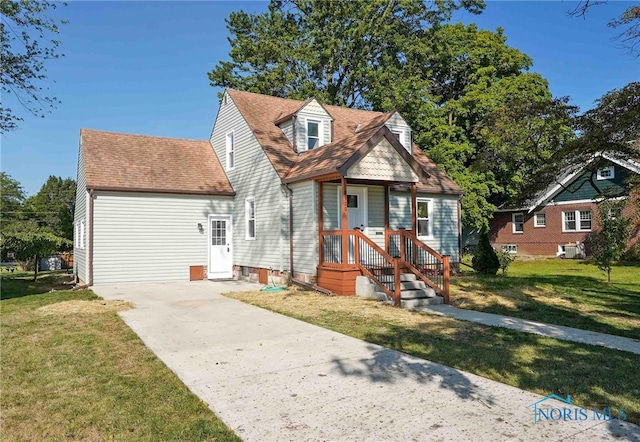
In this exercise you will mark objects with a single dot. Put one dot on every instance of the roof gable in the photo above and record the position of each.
(125, 162)
(263, 112)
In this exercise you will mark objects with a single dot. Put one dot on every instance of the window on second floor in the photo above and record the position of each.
(313, 134)
(231, 151)
(424, 217)
(517, 219)
(606, 173)
(250, 217)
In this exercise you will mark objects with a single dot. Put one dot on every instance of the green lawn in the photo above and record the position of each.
(73, 370)
(593, 376)
(558, 291)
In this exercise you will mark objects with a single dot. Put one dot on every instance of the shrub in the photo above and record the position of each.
(505, 259)
(632, 254)
(485, 260)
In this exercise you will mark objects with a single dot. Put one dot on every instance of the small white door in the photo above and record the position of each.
(356, 213)
(220, 247)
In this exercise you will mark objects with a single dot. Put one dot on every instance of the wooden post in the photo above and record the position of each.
(356, 245)
(345, 221)
(446, 271)
(320, 224)
(396, 283)
(414, 209)
(387, 247)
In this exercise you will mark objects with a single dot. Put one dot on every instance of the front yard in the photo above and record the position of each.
(73, 370)
(593, 376)
(558, 291)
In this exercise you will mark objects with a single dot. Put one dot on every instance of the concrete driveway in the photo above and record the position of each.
(273, 378)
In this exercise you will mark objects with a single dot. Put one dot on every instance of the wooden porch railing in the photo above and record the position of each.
(366, 256)
(424, 262)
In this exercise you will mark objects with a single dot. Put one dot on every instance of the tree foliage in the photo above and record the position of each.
(29, 241)
(11, 197)
(28, 42)
(473, 106)
(609, 242)
(54, 205)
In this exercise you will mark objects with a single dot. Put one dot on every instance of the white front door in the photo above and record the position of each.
(356, 213)
(220, 247)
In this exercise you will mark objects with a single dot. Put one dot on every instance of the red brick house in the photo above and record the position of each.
(565, 213)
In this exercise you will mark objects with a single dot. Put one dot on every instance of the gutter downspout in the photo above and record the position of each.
(286, 186)
(90, 282)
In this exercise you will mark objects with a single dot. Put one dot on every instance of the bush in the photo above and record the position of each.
(485, 260)
(505, 259)
(632, 254)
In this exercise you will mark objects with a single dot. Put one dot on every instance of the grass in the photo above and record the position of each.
(557, 291)
(593, 376)
(73, 370)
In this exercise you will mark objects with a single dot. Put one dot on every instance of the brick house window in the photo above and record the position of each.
(517, 219)
(510, 248)
(576, 221)
(540, 220)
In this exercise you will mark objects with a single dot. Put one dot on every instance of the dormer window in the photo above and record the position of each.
(606, 173)
(313, 134)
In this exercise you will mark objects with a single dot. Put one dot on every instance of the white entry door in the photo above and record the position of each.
(356, 214)
(220, 247)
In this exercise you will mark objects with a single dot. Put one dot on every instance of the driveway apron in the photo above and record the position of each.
(273, 378)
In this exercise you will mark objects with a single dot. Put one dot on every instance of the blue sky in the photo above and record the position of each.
(141, 67)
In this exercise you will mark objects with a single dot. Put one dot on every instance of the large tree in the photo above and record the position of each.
(28, 42)
(54, 205)
(468, 96)
(11, 197)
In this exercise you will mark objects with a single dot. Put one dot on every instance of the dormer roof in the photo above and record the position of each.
(262, 112)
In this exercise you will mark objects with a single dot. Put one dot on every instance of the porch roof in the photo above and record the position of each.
(339, 157)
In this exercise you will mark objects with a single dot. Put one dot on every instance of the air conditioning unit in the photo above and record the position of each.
(574, 251)
(570, 251)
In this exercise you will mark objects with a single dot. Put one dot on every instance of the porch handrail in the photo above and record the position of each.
(412, 263)
(368, 269)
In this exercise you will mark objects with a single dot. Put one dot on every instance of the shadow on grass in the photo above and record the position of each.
(389, 366)
(17, 286)
(608, 304)
(593, 376)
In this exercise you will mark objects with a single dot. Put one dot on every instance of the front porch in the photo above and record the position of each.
(355, 248)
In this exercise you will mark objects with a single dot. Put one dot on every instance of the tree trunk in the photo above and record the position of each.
(35, 269)
(608, 276)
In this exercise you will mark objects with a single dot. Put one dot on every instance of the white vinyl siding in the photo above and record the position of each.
(254, 176)
(305, 227)
(80, 257)
(151, 237)
(287, 129)
(444, 223)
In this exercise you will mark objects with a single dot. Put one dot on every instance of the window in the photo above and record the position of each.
(313, 134)
(424, 217)
(540, 220)
(81, 242)
(517, 219)
(576, 221)
(510, 248)
(585, 220)
(606, 173)
(231, 151)
(250, 216)
(352, 201)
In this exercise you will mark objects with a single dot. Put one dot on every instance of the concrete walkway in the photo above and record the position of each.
(539, 328)
(273, 378)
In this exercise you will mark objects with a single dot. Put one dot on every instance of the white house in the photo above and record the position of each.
(319, 193)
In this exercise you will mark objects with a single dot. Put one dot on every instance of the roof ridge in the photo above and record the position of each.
(85, 129)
